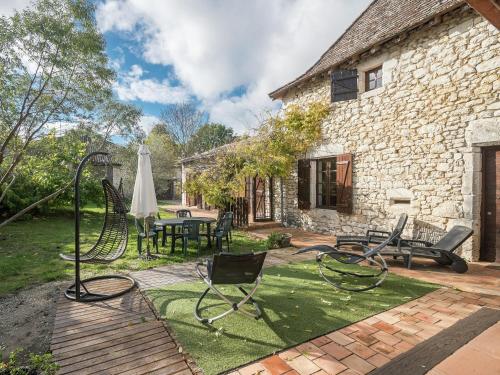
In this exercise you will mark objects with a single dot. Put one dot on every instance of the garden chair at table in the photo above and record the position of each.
(231, 269)
(191, 232)
(183, 213)
(141, 234)
(223, 230)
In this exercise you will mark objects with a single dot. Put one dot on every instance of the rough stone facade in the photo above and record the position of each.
(417, 138)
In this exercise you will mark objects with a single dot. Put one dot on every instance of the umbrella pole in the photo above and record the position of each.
(146, 228)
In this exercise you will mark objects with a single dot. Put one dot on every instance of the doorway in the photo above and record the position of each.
(262, 198)
(490, 212)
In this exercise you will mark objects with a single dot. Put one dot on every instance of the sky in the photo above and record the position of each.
(225, 56)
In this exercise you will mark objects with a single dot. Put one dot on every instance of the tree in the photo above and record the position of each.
(163, 158)
(273, 151)
(53, 68)
(210, 136)
(182, 121)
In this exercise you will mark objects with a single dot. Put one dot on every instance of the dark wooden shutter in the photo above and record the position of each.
(344, 183)
(304, 184)
(344, 85)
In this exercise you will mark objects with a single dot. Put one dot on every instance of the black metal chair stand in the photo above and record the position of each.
(231, 269)
(111, 244)
(376, 268)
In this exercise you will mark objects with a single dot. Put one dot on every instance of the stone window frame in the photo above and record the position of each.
(383, 61)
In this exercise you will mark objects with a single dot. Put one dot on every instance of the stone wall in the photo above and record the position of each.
(417, 137)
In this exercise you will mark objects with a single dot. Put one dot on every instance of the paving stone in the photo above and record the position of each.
(386, 338)
(275, 365)
(330, 365)
(378, 360)
(358, 364)
(335, 350)
(320, 341)
(303, 365)
(289, 354)
(388, 328)
(310, 350)
(340, 338)
(361, 350)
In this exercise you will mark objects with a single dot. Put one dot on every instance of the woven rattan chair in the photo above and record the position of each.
(110, 245)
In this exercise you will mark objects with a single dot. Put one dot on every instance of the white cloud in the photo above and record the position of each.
(132, 86)
(7, 7)
(147, 123)
(218, 45)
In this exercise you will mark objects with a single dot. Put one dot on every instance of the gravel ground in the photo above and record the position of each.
(27, 317)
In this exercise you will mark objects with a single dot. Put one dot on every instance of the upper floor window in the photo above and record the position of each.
(373, 79)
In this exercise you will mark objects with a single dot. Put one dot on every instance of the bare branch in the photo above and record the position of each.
(4, 193)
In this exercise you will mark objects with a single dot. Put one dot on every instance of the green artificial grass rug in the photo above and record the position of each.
(297, 305)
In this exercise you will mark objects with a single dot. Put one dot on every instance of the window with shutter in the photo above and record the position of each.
(304, 181)
(344, 183)
(344, 85)
(334, 183)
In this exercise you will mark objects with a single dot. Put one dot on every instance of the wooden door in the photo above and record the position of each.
(262, 199)
(490, 244)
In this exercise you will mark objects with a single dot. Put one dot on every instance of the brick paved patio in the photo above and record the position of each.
(371, 343)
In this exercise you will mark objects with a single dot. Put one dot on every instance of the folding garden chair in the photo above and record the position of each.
(353, 275)
(232, 269)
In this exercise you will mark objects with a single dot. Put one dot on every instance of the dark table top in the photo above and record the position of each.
(180, 220)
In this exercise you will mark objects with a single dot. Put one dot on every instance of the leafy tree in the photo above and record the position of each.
(273, 151)
(210, 136)
(182, 121)
(163, 157)
(53, 68)
(50, 162)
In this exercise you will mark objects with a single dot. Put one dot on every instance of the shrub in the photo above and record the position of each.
(277, 240)
(36, 364)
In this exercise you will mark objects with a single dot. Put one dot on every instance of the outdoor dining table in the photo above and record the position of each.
(177, 222)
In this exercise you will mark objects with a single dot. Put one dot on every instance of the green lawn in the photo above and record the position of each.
(29, 249)
(297, 306)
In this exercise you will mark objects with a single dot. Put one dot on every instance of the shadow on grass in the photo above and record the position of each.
(297, 306)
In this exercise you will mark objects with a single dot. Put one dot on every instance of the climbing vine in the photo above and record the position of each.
(273, 151)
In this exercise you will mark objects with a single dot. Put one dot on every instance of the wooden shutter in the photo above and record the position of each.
(304, 184)
(344, 85)
(344, 183)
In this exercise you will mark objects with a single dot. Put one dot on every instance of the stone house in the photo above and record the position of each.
(414, 125)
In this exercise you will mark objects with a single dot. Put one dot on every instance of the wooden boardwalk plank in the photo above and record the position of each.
(119, 336)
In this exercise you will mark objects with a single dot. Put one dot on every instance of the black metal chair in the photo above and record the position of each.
(111, 244)
(376, 236)
(191, 232)
(443, 252)
(354, 279)
(223, 230)
(231, 269)
(141, 234)
(183, 213)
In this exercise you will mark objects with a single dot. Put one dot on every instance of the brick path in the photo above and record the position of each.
(368, 344)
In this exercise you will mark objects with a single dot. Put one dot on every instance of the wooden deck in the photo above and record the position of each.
(118, 336)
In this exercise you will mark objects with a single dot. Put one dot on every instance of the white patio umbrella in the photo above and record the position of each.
(144, 199)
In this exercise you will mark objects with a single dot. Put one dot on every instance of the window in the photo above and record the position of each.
(373, 79)
(326, 183)
(333, 183)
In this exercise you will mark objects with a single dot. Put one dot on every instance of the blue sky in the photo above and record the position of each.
(224, 55)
